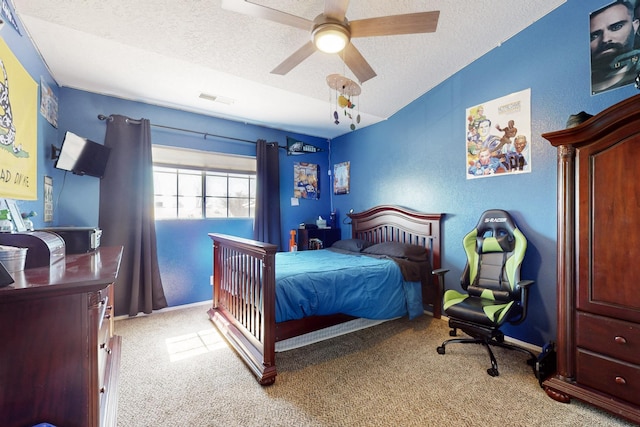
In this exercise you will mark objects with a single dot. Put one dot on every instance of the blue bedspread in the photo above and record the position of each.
(328, 282)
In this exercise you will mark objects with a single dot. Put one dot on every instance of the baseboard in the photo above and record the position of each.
(164, 310)
(531, 347)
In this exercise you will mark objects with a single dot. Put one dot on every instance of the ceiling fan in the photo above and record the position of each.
(332, 32)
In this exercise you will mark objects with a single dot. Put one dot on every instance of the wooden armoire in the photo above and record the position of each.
(598, 270)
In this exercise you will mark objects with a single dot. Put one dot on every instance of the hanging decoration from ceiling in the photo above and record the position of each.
(344, 95)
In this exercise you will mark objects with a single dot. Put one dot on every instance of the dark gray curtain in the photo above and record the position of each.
(267, 214)
(126, 215)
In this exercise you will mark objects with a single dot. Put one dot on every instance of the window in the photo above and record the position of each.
(202, 189)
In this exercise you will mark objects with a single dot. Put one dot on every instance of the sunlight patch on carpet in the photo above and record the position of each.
(193, 344)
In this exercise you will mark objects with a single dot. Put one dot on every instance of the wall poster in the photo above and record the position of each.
(305, 181)
(48, 103)
(341, 176)
(499, 136)
(615, 45)
(48, 199)
(18, 130)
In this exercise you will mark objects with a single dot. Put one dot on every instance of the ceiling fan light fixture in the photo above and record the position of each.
(330, 37)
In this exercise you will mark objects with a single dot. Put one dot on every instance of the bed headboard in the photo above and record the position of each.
(388, 223)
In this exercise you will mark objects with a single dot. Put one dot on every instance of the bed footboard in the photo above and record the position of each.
(243, 306)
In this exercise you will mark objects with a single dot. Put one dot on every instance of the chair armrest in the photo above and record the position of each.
(524, 294)
(525, 283)
(440, 271)
(524, 297)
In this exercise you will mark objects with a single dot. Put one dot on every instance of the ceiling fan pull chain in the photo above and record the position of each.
(330, 103)
(335, 112)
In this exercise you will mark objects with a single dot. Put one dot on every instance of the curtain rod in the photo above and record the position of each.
(205, 134)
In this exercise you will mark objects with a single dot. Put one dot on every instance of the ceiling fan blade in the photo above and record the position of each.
(356, 63)
(296, 58)
(263, 12)
(336, 9)
(411, 23)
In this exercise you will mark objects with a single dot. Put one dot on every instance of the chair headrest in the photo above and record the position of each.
(495, 232)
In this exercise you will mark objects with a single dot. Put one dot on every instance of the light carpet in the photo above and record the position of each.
(176, 370)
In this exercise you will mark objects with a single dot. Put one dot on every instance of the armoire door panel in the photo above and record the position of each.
(607, 223)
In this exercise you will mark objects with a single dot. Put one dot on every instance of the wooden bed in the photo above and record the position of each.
(247, 319)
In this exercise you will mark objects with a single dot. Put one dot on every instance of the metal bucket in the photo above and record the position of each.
(13, 258)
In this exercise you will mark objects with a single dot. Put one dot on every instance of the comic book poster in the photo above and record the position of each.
(18, 129)
(499, 136)
(305, 177)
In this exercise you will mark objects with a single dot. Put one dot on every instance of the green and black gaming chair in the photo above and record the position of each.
(495, 295)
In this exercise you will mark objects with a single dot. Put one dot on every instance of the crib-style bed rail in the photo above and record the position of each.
(243, 306)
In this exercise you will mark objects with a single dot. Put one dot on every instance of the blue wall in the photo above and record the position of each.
(411, 159)
(417, 152)
(184, 246)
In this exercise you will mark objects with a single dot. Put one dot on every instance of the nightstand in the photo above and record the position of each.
(328, 236)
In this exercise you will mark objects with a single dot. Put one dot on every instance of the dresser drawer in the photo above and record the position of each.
(615, 338)
(611, 376)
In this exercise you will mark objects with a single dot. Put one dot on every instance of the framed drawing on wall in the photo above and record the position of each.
(341, 177)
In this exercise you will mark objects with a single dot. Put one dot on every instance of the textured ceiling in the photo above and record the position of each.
(167, 52)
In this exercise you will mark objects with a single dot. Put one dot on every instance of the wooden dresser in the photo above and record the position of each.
(598, 275)
(59, 359)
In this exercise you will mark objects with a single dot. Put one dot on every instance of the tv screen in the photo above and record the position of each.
(82, 156)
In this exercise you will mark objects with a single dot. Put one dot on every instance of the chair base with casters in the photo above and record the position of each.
(487, 337)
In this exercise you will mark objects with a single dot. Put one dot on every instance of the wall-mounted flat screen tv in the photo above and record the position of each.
(82, 156)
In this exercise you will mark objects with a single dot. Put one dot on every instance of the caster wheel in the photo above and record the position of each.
(452, 333)
(493, 372)
(440, 350)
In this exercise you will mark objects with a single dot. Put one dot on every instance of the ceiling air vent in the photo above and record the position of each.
(217, 98)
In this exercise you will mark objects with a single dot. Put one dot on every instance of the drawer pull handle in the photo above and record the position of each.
(620, 340)
(620, 380)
